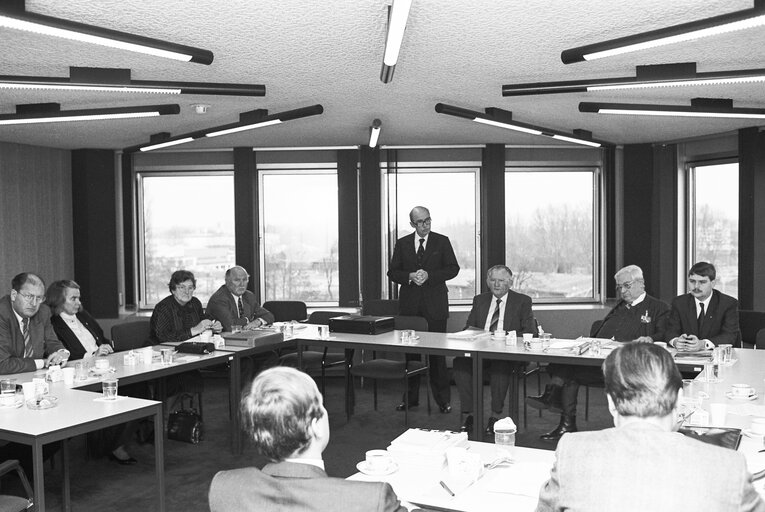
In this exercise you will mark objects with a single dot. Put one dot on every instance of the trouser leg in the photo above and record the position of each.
(499, 381)
(463, 377)
(414, 383)
(439, 380)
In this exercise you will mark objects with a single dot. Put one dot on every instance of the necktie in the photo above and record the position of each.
(495, 317)
(700, 320)
(240, 306)
(28, 349)
(420, 252)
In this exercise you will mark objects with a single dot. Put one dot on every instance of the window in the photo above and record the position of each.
(714, 221)
(551, 232)
(450, 195)
(299, 235)
(186, 222)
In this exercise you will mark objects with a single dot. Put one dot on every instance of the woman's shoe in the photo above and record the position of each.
(130, 461)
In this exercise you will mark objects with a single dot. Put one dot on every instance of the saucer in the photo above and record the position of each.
(363, 466)
(733, 397)
(47, 402)
(749, 433)
(532, 349)
(102, 371)
(18, 403)
(499, 338)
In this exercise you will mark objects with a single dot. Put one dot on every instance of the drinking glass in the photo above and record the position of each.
(505, 442)
(109, 389)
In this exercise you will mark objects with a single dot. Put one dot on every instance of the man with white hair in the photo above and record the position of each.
(233, 304)
(636, 317)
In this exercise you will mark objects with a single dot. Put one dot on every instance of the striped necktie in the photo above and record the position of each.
(240, 306)
(28, 349)
(495, 317)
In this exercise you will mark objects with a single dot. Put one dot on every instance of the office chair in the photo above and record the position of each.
(380, 307)
(389, 369)
(286, 310)
(130, 335)
(313, 359)
(10, 503)
(750, 323)
(759, 342)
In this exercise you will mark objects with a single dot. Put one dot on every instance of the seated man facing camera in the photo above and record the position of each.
(643, 463)
(284, 415)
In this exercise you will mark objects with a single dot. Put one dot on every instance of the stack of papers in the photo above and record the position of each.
(425, 449)
(468, 334)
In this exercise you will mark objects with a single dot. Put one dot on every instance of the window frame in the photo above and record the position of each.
(597, 227)
(268, 169)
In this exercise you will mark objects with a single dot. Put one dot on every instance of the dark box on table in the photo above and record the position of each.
(361, 324)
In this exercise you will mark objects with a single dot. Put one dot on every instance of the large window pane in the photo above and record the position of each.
(299, 219)
(550, 227)
(451, 198)
(188, 223)
(715, 222)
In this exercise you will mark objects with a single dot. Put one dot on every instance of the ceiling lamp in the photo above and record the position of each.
(700, 107)
(52, 113)
(247, 121)
(13, 15)
(374, 133)
(660, 75)
(738, 20)
(118, 80)
(504, 119)
(398, 13)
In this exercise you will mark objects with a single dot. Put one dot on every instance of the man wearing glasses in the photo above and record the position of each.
(27, 339)
(422, 262)
(636, 317)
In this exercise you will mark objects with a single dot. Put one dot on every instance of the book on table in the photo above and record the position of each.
(425, 448)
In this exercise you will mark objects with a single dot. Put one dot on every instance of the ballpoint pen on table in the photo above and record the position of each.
(446, 488)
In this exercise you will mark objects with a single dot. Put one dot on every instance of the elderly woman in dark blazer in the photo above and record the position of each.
(84, 338)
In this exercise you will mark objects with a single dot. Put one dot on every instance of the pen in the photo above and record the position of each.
(446, 488)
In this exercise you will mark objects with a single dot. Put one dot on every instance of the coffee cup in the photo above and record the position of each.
(29, 390)
(742, 390)
(68, 374)
(499, 335)
(758, 425)
(102, 364)
(205, 336)
(7, 400)
(535, 344)
(378, 460)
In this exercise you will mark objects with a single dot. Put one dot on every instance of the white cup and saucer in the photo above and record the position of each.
(377, 463)
(757, 429)
(499, 335)
(741, 392)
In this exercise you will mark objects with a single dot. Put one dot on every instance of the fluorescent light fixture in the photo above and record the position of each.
(51, 113)
(503, 119)
(397, 18)
(700, 107)
(738, 20)
(14, 16)
(661, 75)
(247, 121)
(374, 133)
(118, 80)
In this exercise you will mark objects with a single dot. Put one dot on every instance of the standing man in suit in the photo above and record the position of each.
(643, 463)
(284, 415)
(704, 317)
(501, 309)
(27, 339)
(233, 304)
(422, 262)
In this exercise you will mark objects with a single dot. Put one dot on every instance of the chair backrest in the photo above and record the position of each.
(750, 323)
(12, 503)
(380, 307)
(595, 327)
(132, 334)
(322, 317)
(286, 310)
(759, 340)
(410, 322)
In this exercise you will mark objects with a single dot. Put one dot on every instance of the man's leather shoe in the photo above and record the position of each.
(467, 426)
(124, 462)
(402, 405)
(490, 425)
(550, 400)
(445, 408)
(567, 424)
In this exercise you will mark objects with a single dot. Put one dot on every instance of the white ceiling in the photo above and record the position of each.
(330, 52)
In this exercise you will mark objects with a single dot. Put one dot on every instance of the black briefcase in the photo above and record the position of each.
(361, 324)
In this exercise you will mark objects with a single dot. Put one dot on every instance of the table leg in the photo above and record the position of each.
(513, 408)
(159, 455)
(39, 481)
(477, 397)
(235, 384)
(66, 490)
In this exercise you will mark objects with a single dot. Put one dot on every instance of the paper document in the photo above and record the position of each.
(523, 479)
(468, 334)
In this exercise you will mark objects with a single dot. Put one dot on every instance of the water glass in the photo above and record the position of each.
(324, 332)
(403, 336)
(712, 371)
(595, 348)
(167, 356)
(727, 353)
(109, 389)
(505, 442)
(8, 387)
(546, 340)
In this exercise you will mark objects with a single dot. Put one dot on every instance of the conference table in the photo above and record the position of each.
(76, 412)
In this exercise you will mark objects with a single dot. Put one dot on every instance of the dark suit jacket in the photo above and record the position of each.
(41, 334)
(720, 320)
(224, 309)
(430, 300)
(641, 468)
(649, 318)
(518, 316)
(70, 340)
(288, 486)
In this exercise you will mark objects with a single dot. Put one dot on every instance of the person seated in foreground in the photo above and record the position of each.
(636, 317)
(284, 415)
(643, 463)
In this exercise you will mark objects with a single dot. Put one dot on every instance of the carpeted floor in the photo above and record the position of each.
(98, 484)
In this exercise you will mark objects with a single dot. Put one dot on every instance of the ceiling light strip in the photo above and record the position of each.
(672, 110)
(167, 144)
(59, 116)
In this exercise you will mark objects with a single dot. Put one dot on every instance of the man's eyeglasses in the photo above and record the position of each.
(32, 299)
(625, 286)
(423, 222)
